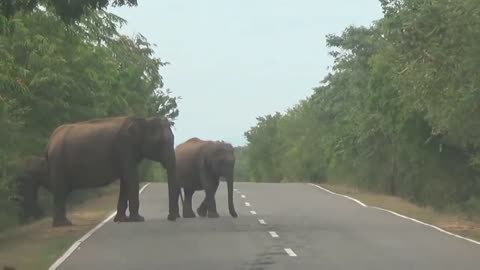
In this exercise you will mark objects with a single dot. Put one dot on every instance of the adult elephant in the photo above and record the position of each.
(200, 165)
(94, 153)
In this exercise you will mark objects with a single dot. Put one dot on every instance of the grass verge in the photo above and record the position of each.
(454, 223)
(38, 245)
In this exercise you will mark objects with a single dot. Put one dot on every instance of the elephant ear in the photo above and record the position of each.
(137, 129)
(212, 154)
(209, 155)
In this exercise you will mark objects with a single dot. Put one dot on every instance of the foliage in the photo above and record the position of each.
(151, 171)
(397, 114)
(68, 10)
(240, 169)
(52, 73)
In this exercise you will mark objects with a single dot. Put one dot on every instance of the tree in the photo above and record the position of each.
(241, 169)
(397, 114)
(53, 73)
(68, 10)
(263, 148)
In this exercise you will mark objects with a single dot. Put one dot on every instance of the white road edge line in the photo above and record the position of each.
(243, 196)
(428, 225)
(401, 216)
(247, 204)
(261, 221)
(290, 252)
(341, 195)
(273, 234)
(253, 212)
(75, 245)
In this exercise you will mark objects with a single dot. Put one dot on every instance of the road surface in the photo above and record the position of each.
(292, 226)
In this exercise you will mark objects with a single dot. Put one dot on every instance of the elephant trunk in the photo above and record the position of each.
(231, 207)
(173, 187)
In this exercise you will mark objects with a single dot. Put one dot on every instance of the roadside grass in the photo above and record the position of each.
(453, 222)
(37, 245)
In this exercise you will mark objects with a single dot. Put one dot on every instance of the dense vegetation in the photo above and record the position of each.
(68, 10)
(398, 113)
(240, 172)
(52, 72)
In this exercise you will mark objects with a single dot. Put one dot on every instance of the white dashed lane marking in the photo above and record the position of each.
(290, 252)
(273, 234)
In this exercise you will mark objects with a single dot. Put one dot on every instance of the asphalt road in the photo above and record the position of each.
(305, 228)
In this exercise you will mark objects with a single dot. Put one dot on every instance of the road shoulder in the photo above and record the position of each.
(453, 223)
(38, 245)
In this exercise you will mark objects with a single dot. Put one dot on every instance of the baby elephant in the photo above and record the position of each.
(200, 164)
(34, 174)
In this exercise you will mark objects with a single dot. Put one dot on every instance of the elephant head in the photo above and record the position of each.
(33, 175)
(155, 139)
(221, 161)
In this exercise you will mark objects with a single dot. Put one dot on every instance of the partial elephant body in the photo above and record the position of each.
(36, 168)
(75, 153)
(95, 153)
(200, 165)
(34, 174)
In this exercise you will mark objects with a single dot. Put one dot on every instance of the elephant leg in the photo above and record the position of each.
(60, 211)
(179, 197)
(60, 216)
(122, 203)
(187, 208)
(202, 209)
(210, 198)
(60, 192)
(133, 197)
(38, 211)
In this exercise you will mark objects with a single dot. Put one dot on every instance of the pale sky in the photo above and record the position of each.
(232, 61)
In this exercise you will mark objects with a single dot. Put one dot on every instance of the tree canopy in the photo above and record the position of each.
(53, 73)
(398, 113)
(67, 10)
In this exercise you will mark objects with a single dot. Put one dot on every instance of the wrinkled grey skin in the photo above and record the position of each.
(94, 153)
(33, 175)
(200, 165)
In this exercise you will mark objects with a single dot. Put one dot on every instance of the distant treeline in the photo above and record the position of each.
(399, 112)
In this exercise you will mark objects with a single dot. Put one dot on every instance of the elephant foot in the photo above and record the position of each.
(136, 218)
(120, 218)
(213, 215)
(172, 217)
(233, 213)
(202, 212)
(189, 214)
(61, 222)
